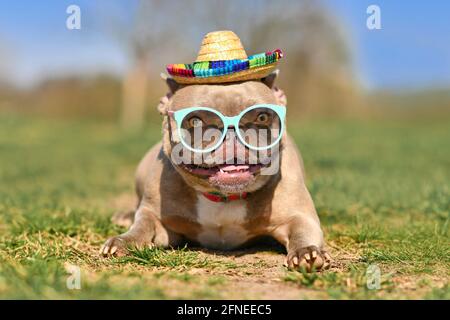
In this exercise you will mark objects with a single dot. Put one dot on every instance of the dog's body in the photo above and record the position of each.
(172, 206)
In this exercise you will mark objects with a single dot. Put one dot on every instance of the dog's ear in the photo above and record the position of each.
(270, 79)
(171, 83)
(173, 86)
(270, 82)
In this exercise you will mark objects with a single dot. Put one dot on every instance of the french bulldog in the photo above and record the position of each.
(173, 202)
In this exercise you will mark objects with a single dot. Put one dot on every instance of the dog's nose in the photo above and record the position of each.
(231, 147)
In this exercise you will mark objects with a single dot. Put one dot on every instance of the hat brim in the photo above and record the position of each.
(244, 75)
(221, 71)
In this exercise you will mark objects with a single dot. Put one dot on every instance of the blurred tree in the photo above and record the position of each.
(7, 90)
(5, 61)
(317, 73)
(151, 26)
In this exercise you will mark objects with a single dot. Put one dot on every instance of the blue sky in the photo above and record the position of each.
(412, 49)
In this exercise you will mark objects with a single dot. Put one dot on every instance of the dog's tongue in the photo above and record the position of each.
(232, 175)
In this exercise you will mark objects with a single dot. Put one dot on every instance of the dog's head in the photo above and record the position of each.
(231, 167)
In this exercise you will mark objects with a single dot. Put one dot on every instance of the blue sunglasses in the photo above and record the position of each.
(261, 116)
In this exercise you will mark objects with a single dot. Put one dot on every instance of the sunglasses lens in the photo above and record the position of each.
(260, 127)
(202, 130)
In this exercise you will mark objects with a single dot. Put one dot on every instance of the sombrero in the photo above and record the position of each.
(221, 59)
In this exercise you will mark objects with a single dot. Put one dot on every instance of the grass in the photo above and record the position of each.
(382, 191)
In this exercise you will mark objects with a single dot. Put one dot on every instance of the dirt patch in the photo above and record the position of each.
(259, 275)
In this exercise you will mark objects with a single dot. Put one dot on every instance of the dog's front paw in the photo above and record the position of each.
(114, 246)
(308, 258)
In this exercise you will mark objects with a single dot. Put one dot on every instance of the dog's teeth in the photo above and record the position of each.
(221, 170)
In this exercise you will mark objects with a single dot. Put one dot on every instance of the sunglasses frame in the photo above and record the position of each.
(179, 116)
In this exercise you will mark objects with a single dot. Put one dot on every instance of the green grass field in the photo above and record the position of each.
(382, 190)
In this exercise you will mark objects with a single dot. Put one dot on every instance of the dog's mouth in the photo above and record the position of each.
(226, 177)
(223, 169)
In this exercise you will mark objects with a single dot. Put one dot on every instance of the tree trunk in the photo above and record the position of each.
(134, 94)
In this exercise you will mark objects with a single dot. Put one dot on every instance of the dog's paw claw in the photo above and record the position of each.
(115, 246)
(309, 258)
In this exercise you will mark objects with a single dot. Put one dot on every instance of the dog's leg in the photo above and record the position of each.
(303, 239)
(146, 231)
(124, 218)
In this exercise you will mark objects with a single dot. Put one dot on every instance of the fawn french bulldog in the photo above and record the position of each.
(172, 201)
(231, 197)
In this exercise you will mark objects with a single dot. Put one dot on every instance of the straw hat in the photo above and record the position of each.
(221, 59)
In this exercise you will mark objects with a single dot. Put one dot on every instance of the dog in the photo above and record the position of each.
(172, 206)
(225, 173)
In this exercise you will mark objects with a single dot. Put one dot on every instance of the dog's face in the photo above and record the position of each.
(232, 167)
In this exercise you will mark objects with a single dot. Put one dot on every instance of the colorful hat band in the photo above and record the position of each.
(205, 69)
